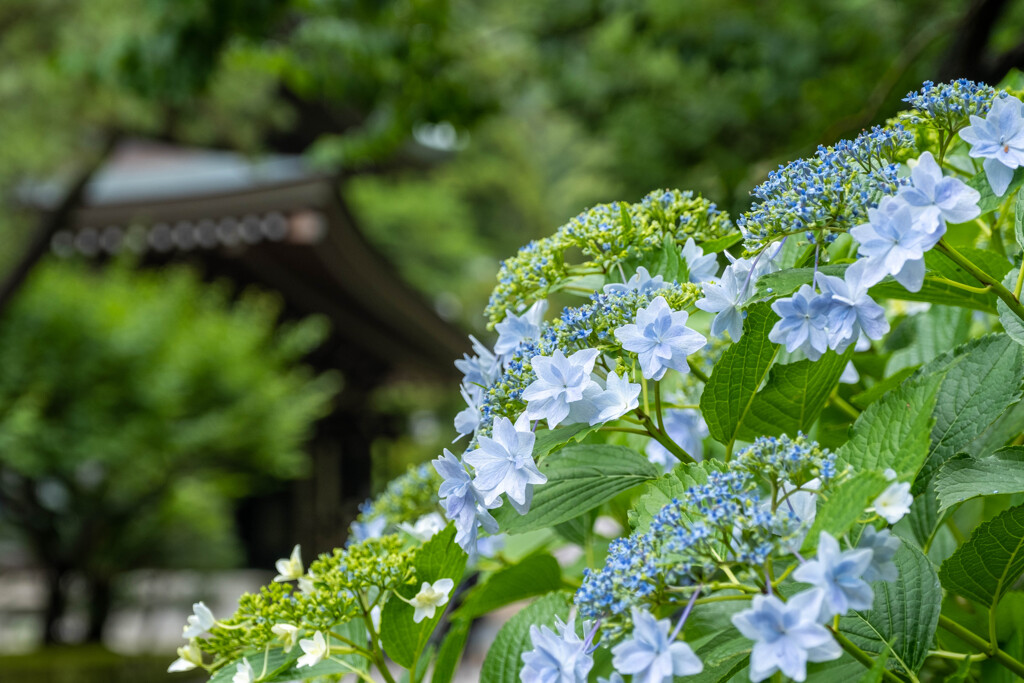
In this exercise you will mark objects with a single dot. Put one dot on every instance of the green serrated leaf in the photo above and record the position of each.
(904, 615)
(724, 655)
(451, 652)
(738, 375)
(534, 575)
(938, 264)
(1018, 219)
(893, 432)
(580, 478)
(1013, 325)
(963, 477)
(982, 380)
(438, 558)
(991, 560)
(842, 509)
(504, 658)
(793, 397)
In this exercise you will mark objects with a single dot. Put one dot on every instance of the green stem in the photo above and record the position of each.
(1020, 281)
(663, 439)
(984, 278)
(627, 430)
(657, 407)
(841, 403)
(958, 285)
(699, 374)
(861, 656)
(983, 645)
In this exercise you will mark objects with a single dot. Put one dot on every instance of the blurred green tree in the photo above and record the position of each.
(134, 408)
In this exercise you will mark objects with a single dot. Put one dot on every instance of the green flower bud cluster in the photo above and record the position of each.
(607, 235)
(336, 589)
(406, 498)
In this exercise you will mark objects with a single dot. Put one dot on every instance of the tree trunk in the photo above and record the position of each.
(56, 604)
(100, 601)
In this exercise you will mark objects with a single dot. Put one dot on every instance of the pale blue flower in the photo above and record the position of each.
(802, 322)
(504, 464)
(650, 655)
(840, 575)
(660, 338)
(461, 501)
(936, 199)
(482, 369)
(371, 528)
(641, 283)
(701, 267)
(556, 657)
(893, 242)
(687, 428)
(515, 329)
(851, 310)
(726, 297)
(883, 546)
(850, 374)
(999, 139)
(560, 382)
(618, 398)
(786, 635)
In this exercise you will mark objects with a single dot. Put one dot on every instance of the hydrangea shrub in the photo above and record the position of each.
(782, 447)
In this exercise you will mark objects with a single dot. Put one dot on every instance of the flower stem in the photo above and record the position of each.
(984, 278)
(657, 407)
(841, 403)
(1020, 281)
(699, 374)
(663, 438)
(977, 641)
(861, 656)
(959, 285)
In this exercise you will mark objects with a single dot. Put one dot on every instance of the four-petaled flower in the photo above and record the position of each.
(291, 568)
(556, 657)
(429, 598)
(883, 546)
(314, 650)
(894, 502)
(660, 338)
(650, 655)
(199, 622)
(893, 242)
(802, 322)
(618, 398)
(560, 382)
(504, 464)
(999, 140)
(840, 576)
(851, 311)
(938, 199)
(786, 635)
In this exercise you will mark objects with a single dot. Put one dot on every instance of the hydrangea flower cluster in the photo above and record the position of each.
(334, 590)
(828, 192)
(742, 515)
(608, 235)
(947, 106)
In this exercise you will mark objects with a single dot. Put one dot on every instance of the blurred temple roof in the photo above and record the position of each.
(279, 225)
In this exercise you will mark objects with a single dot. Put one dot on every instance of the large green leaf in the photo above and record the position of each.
(904, 615)
(893, 432)
(724, 655)
(534, 575)
(991, 560)
(338, 664)
(504, 658)
(785, 282)
(549, 440)
(793, 397)
(438, 558)
(982, 381)
(738, 375)
(717, 245)
(963, 477)
(938, 264)
(1018, 219)
(580, 478)
(880, 389)
(451, 651)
